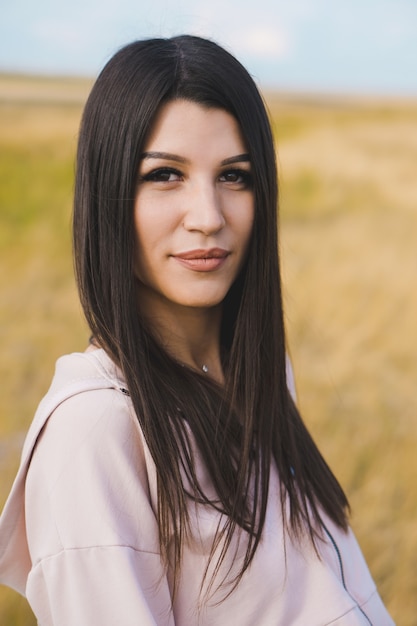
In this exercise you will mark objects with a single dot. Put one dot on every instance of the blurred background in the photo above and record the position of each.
(340, 80)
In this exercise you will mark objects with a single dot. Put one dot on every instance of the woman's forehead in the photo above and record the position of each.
(183, 125)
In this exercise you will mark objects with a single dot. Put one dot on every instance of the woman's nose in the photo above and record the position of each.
(203, 211)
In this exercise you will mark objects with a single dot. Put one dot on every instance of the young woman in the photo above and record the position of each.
(168, 477)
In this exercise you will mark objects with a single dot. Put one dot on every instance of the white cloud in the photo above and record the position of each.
(243, 30)
(263, 42)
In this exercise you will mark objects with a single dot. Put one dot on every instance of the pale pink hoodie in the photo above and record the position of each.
(79, 535)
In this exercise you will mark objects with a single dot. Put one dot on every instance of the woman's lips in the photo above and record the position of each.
(202, 260)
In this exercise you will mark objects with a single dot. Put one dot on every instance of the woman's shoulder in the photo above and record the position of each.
(90, 467)
(90, 409)
(87, 404)
(87, 378)
(80, 379)
(94, 367)
(86, 414)
(84, 427)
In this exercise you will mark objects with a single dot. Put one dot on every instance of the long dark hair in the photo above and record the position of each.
(240, 428)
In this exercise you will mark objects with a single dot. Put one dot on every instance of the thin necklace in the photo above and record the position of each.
(204, 367)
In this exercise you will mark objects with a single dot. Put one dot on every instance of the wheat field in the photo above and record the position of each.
(348, 229)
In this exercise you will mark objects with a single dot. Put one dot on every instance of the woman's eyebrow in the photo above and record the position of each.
(239, 158)
(167, 156)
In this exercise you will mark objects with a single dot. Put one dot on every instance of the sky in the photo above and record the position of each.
(339, 46)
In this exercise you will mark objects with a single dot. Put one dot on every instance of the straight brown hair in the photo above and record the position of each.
(252, 421)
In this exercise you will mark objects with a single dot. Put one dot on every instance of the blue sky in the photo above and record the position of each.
(359, 46)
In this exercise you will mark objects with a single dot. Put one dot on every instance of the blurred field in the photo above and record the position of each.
(348, 172)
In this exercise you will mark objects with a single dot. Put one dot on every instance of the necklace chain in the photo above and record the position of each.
(204, 367)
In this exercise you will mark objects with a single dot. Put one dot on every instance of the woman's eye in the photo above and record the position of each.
(242, 178)
(162, 175)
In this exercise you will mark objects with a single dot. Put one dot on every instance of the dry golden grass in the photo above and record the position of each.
(348, 229)
(348, 233)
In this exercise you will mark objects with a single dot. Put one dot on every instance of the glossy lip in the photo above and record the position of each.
(201, 260)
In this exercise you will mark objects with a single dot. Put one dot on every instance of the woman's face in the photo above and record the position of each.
(194, 208)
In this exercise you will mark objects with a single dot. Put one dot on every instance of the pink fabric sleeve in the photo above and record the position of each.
(91, 527)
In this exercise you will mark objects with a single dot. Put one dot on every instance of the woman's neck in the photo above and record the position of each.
(191, 336)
